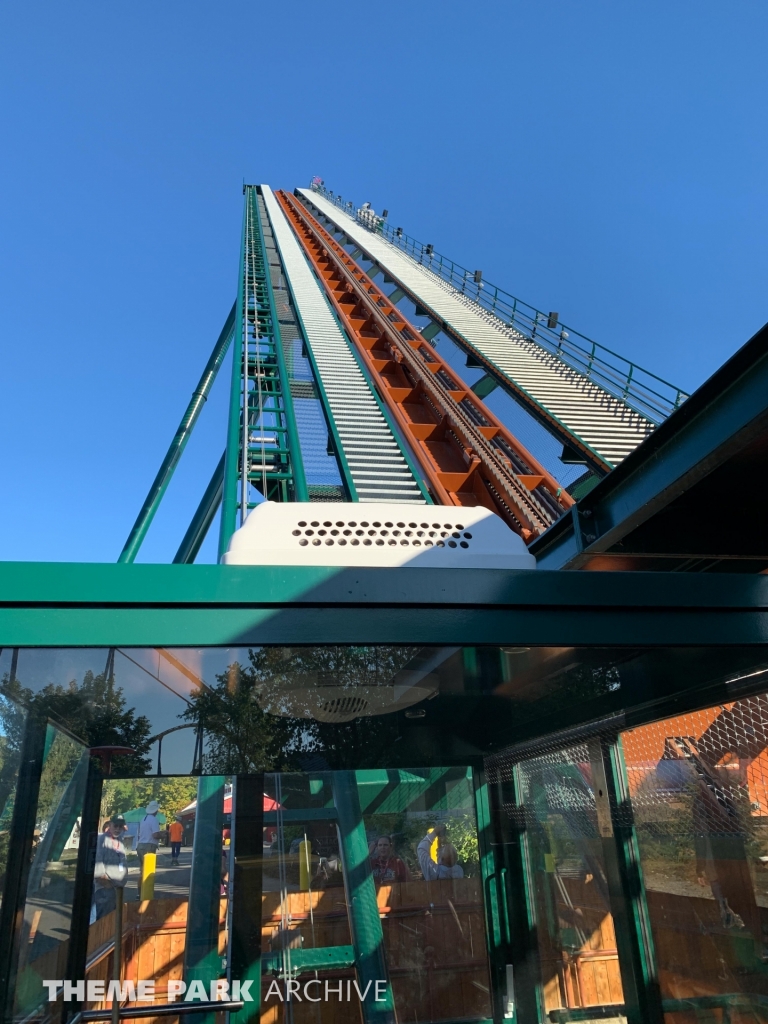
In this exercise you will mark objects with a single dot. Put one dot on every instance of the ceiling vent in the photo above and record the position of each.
(376, 534)
(342, 693)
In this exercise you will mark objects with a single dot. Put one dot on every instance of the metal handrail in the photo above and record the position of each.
(648, 394)
(159, 1010)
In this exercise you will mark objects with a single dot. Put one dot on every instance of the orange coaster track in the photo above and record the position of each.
(467, 455)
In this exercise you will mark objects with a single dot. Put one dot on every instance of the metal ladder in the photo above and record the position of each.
(263, 451)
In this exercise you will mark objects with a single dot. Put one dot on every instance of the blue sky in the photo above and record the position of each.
(599, 158)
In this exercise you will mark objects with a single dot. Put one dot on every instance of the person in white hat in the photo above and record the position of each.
(148, 837)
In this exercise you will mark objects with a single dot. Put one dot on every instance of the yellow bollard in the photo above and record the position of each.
(305, 859)
(148, 876)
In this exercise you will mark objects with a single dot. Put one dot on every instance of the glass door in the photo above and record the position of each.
(373, 900)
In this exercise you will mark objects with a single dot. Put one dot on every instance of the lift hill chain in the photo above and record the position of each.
(467, 455)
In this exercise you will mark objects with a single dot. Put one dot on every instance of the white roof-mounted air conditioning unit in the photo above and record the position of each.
(376, 534)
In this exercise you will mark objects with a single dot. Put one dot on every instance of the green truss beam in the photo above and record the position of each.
(174, 453)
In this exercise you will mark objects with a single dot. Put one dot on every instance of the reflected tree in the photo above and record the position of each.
(95, 711)
(241, 737)
(263, 716)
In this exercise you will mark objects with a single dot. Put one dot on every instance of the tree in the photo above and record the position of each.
(241, 737)
(263, 716)
(172, 794)
(93, 711)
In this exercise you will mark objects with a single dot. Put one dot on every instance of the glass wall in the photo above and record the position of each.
(568, 879)
(157, 822)
(42, 942)
(616, 873)
(699, 794)
(389, 858)
(13, 718)
(250, 709)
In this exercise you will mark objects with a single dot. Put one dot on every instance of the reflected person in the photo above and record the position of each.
(385, 866)
(148, 838)
(111, 870)
(447, 863)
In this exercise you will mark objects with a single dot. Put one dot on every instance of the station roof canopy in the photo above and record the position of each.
(690, 498)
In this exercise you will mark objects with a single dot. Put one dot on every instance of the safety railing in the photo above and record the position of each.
(645, 392)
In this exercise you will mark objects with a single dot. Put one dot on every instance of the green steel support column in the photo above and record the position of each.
(364, 921)
(202, 961)
(297, 464)
(171, 460)
(20, 853)
(202, 519)
(521, 974)
(77, 952)
(637, 960)
(232, 459)
(496, 910)
(245, 959)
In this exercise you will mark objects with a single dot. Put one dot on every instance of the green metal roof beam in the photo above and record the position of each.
(171, 460)
(725, 413)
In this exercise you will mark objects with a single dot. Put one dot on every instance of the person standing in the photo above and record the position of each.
(111, 870)
(447, 863)
(175, 837)
(148, 837)
(385, 866)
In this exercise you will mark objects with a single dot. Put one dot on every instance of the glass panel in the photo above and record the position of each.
(416, 832)
(151, 828)
(254, 709)
(568, 880)
(51, 884)
(13, 717)
(699, 794)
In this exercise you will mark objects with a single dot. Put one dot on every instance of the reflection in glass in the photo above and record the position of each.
(699, 792)
(420, 847)
(13, 718)
(229, 710)
(51, 882)
(568, 880)
(156, 928)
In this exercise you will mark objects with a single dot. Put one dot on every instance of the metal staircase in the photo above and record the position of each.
(588, 400)
(372, 460)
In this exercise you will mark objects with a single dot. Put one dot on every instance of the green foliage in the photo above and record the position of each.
(58, 768)
(462, 832)
(241, 737)
(94, 711)
(172, 794)
(261, 716)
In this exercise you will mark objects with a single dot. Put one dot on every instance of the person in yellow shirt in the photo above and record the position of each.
(175, 836)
